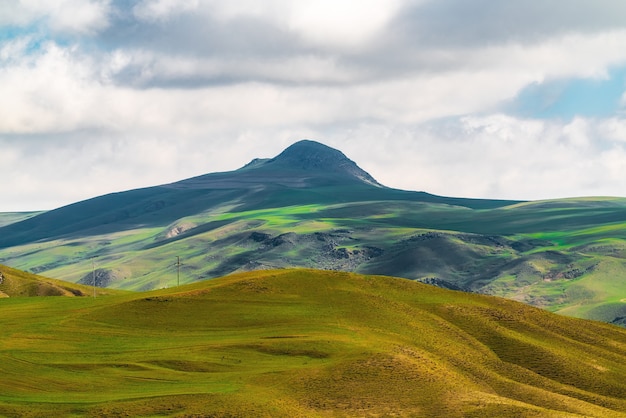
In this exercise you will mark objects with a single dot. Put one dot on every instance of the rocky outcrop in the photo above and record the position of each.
(103, 278)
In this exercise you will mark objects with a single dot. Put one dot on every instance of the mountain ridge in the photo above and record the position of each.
(304, 165)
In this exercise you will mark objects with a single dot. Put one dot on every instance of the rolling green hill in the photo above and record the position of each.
(17, 283)
(312, 207)
(290, 343)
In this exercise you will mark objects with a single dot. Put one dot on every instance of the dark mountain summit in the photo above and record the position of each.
(312, 156)
(304, 164)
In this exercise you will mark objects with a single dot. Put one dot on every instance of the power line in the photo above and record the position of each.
(178, 264)
(93, 275)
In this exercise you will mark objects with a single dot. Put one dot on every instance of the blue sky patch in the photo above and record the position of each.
(568, 98)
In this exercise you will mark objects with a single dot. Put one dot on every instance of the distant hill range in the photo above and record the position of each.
(311, 206)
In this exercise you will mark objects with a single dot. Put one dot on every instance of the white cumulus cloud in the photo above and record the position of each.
(78, 17)
(132, 94)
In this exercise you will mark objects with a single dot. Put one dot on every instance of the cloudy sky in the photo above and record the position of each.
(516, 99)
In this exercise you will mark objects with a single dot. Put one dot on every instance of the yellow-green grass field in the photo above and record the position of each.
(304, 343)
(17, 283)
(566, 256)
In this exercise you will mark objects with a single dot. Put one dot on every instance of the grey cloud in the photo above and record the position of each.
(198, 36)
(480, 22)
(231, 89)
(424, 37)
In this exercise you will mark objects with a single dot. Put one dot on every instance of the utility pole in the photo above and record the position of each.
(178, 270)
(93, 275)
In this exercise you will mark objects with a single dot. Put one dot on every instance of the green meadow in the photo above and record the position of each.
(289, 343)
(566, 256)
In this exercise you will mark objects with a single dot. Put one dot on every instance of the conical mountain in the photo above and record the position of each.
(305, 173)
(311, 156)
(306, 163)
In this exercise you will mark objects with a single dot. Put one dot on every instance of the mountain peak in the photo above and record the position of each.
(310, 155)
(307, 154)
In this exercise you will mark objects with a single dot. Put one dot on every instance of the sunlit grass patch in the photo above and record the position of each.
(304, 343)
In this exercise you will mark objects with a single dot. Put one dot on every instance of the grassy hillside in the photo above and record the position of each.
(312, 207)
(567, 256)
(305, 343)
(17, 283)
